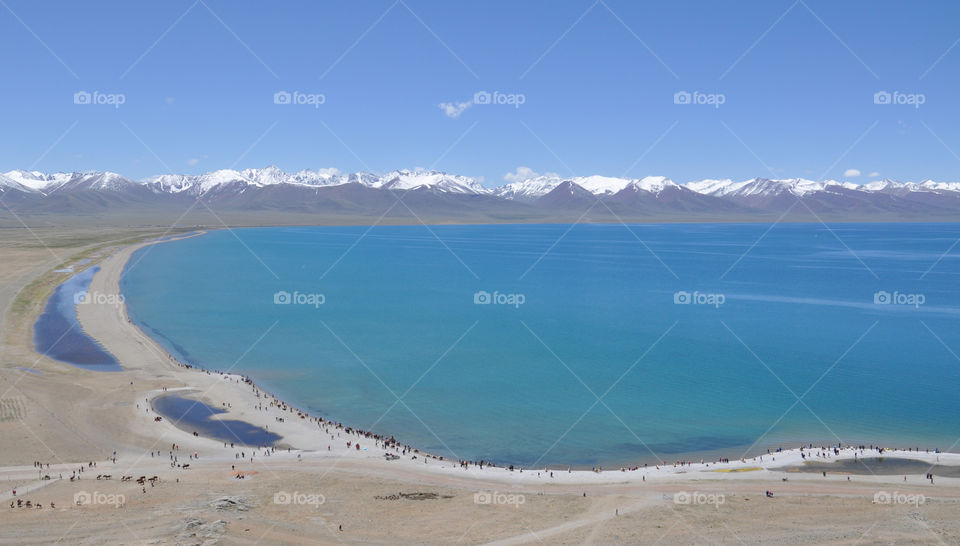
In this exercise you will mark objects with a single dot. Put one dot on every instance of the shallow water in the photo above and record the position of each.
(518, 382)
(58, 335)
(879, 466)
(195, 416)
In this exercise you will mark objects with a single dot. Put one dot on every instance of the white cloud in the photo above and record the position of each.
(194, 160)
(874, 173)
(526, 173)
(330, 171)
(851, 172)
(454, 109)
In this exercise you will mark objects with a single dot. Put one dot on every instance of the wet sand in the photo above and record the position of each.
(879, 466)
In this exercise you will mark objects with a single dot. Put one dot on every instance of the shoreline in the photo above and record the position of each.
(311, 436)
(76, 424)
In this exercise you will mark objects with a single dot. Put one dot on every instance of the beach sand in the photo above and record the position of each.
(69, 418)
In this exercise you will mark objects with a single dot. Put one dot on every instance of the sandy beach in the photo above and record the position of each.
(318, 487)
(598, 272)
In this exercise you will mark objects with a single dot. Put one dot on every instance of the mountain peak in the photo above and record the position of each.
(280, 189)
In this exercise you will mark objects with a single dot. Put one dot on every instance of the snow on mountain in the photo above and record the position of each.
(940, 186)
(597, 185)
(170, 183)
(229, 181)
(832, 186)
(882, 186)
(326, 177)
(763, 187)
(526, 190)
(602, 185)
(30, 179)
(366, 179)
(431, 180)
(268, 176)
(102, 181)
(194, 184)
(653, 184)
(7, 183)
(272, 176)
(760, 187)
(803, 187)
(714, 187)
(209, 181)
(91, 180)
(898, 188)
(39, 181)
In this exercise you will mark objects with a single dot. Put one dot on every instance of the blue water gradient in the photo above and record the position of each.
(598, 365)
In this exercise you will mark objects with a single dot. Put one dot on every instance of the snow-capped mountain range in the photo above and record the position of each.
(269, 176)
(274, 189)
(420, 179)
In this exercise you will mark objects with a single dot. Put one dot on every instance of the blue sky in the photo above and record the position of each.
(597, 81)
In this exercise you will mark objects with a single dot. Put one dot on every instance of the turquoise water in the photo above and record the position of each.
(792, 315)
